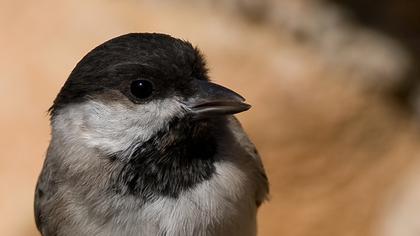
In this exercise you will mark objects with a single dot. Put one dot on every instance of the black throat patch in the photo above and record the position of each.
(174, 160)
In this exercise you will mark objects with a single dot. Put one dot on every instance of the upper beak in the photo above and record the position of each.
(212, 99)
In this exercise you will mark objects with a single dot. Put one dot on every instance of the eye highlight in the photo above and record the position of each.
(141, 88)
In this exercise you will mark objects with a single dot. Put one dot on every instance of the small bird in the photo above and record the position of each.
(144, 144)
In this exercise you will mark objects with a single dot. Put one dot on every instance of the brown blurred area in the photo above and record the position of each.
(340, 152)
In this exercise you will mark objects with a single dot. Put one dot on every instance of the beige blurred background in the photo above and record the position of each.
(333, 86)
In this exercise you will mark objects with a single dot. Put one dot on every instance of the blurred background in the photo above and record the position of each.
(333, 83)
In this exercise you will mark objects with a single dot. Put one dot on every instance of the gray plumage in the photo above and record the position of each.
(90, 183)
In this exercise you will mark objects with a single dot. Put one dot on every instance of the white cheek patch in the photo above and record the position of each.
(114, 127)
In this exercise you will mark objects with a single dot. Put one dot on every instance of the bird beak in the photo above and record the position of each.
(211, 100)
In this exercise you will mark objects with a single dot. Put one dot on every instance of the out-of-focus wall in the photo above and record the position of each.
(341, 157)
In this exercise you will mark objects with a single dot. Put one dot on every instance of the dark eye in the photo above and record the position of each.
(141, 88)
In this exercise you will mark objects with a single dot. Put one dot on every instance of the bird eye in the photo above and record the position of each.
(141, 88)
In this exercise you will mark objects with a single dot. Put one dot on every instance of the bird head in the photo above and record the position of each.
(131, 87)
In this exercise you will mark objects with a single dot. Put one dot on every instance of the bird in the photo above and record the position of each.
(143, 143)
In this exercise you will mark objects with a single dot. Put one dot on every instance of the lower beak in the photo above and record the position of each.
(212, 100)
